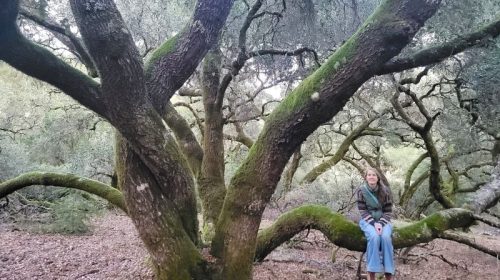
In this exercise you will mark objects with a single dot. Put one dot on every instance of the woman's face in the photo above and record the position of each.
(371, 178)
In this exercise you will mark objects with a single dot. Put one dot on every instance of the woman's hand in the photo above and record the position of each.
(378, 228)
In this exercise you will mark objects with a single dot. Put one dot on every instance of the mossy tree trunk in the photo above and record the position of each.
(169, 237)
(316, 100)
(153, 173)
(211, 182)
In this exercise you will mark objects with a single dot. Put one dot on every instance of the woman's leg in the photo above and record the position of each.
(373, 263)
(387, 249)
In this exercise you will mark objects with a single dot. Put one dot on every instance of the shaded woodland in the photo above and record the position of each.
(193, 117)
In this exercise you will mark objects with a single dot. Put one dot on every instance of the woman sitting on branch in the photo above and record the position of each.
(374, 200)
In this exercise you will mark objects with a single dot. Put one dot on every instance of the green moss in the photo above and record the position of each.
(313, 83)
(425, 228)
(411, 232)
(302, 94)
(165, 48)
(380, 15)
(334, 226)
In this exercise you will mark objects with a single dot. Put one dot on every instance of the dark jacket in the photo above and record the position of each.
(384, 196)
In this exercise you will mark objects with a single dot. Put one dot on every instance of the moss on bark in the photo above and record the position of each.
(66, 180)
(316, 100)
(164, 49)
(344, 233)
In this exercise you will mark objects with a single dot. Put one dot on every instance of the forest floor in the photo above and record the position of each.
(112, 250)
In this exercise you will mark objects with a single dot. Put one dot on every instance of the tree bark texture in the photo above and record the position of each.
(153, 172)
(170, 241)
(211, 183)
(346, 234)
(488, 195)
(104, 191)
(316, 100)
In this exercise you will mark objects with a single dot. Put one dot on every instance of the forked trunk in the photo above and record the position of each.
(173, 251)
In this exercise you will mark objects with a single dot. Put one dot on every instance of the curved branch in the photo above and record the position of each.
(65, 35)
(344, 233)
(412, 188)
(341, 151)
(241, 136)
(358, 167)
(175, 60)
(487, 221)
(185, 138)
(435, 180)
(469, 242)
(415, 80)
(102, 190)
(41, 64)
(409, 188)
(296, 52)
(399, 109)
(412, 168)
(293, 166)
(199, 122)
(438, 53)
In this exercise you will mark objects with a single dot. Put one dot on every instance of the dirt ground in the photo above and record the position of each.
(113, 251)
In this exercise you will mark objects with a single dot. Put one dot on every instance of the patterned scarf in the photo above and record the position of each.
(372, 203)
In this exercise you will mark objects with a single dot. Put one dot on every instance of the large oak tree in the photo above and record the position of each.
(157, 170)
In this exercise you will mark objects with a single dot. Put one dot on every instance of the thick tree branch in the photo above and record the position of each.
(346, 234)
(211, 183)
(102, 190)
(316, 100)
(185, 138)
(39, 63)
(469, 242)
(175, 60)
(144, 142)
(488, 195)
(64, 34)
(438, 53)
